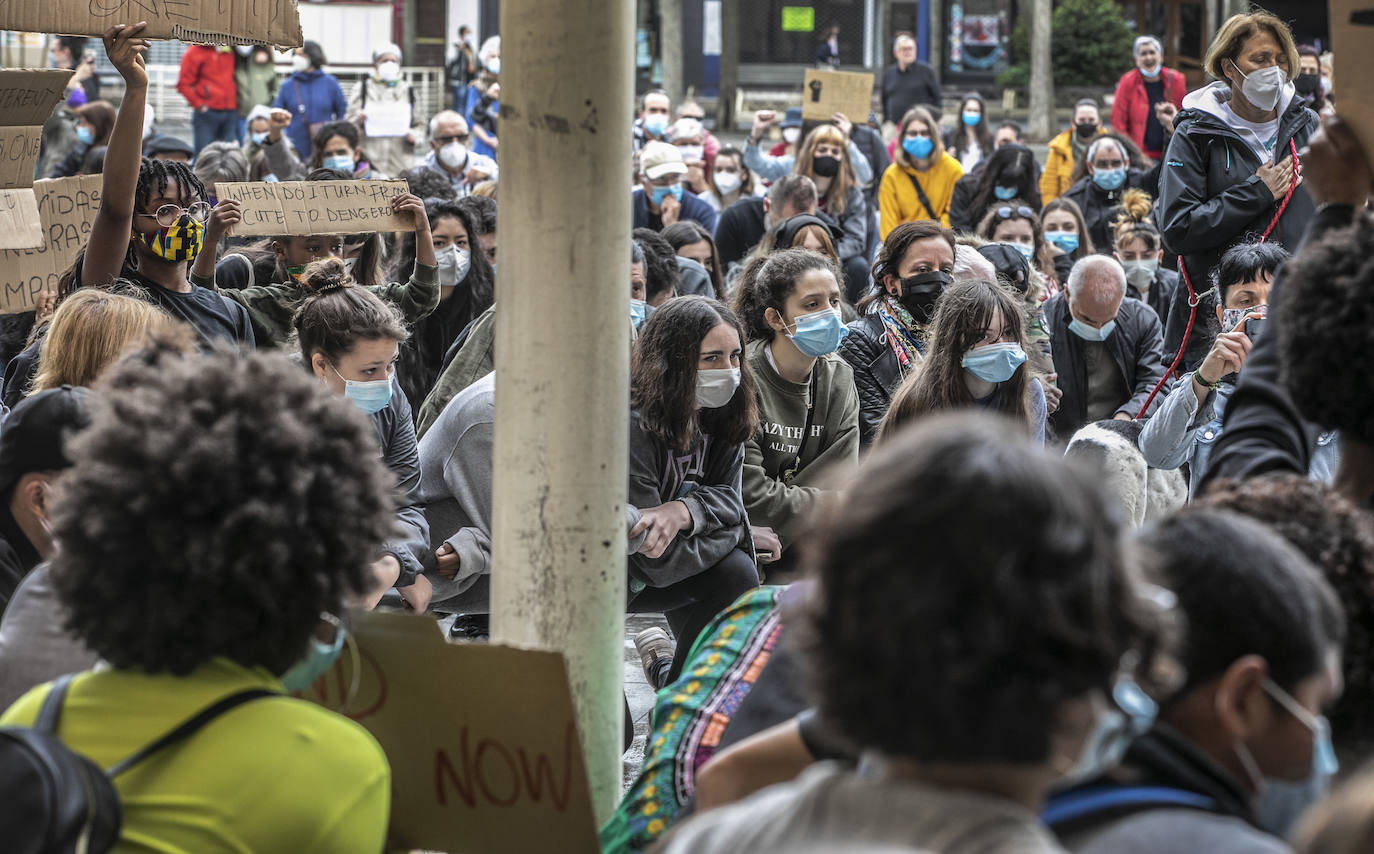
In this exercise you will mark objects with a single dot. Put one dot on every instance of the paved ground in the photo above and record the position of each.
(637, 691)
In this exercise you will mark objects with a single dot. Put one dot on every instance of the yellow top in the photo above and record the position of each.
(275, 774)
(1058, 175)
(899, 203)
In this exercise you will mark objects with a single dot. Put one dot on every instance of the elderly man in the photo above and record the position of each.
(661, 199)
(1106, 347)
(908, 83)
(448, 142)
(1098, 193)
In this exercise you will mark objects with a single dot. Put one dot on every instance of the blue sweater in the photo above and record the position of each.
(692, 208)
(312, 97)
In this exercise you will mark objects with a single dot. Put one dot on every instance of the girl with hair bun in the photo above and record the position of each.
(350, 340)
(1139, 248)
(808, 406)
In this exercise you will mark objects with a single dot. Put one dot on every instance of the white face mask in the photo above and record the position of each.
(454, 262)
(791, 135)
(728, 182)
(453, 154)
(1140, 273)
(1262, 88)
(716, 387)
(244, 49)
(388, 71)
(299, 63)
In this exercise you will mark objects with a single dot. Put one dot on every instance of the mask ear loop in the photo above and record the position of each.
(355, 660)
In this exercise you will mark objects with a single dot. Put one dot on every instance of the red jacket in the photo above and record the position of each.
(1130, 107)
(207, 78)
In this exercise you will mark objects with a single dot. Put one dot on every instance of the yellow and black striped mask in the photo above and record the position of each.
(180, 241)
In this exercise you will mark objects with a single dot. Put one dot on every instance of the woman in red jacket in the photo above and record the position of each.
(1143, 94)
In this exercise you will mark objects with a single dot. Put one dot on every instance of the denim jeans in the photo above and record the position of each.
(214, 126)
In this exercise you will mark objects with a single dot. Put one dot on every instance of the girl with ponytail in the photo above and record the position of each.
(1137, 245)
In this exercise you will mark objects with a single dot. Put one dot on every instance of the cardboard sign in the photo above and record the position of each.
(66, 212)
(825, 93)
(26, 99)
(1352, 35)
(271, 22)
(482, 740)
(317, 207)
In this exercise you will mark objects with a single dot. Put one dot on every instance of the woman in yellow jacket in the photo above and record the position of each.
(920, 182)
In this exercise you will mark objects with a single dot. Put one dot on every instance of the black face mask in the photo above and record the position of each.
(922, 291)
(826, 167)
(1307, 84)
(1086, 131)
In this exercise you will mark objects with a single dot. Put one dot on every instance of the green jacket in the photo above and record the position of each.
(833, 444)
(256, 84)
(475, 359)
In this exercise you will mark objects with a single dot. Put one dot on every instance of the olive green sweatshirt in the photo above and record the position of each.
(832, 446)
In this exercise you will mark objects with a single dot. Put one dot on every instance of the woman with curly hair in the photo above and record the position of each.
(977, 357)
(1008, 173)
(692, 409)
(216, 507)
(350, 340)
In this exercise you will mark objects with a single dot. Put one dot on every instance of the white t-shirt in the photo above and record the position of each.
(1260, 136)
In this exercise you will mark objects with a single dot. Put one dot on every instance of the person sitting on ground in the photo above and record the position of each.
(771, 168)
(1017, 225)
(689, 240)
(211, 469)
(660, 200)
(1006, 174)
(919, 185)
(1066, 231)
(1098, 193)
(272, 156)
(1105, 347)
(803, 231)
(449, 137)
(1039, 684)
(1068, 149)
(1188, 423)
(743, 224)
(887, 342)
(808, 408)
(91, 329)
(976, 357)
(729, 180)
(1244, 734)
(482, 209)
(688, 135)
(1136, 243)
(94, 122)
(428, 183)
(692, 409)
(970, 141)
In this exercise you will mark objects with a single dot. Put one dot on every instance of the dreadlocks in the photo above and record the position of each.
(157, 174)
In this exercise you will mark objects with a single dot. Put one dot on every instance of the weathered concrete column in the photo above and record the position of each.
(1041, 125)
(562, 345)
(670, 47)
(729, 65)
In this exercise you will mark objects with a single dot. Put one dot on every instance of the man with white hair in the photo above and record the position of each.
(389, 101)
(1147, 99)
(448, 142)
(1106, 347)
(907, 83)
(1098, 193)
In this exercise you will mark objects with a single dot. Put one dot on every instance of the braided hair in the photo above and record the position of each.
(158, 174)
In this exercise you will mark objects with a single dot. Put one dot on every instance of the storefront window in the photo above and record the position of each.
(781, 31)
(978, 36)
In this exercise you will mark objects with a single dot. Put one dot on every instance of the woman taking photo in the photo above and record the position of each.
(1008, 173)
(888, 341)
(976, 358)
(730, 181)
(692, 410)
(808, 408)
(920, 182)
(1137, 245)
(1233, 158)
(970, 141)
(350, 340)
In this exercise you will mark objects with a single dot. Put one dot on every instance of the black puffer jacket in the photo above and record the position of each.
(876, 372)
(1100, 207)
(1210, 197)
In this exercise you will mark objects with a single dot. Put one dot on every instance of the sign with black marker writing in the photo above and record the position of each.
(825, 93)
(27, 96)
(316, 207)
(66, 212)
(272, 22)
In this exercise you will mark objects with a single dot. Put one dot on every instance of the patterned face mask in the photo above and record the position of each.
(180, 241)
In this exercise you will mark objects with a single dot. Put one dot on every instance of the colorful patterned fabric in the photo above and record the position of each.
(900, 325)
(690, 716)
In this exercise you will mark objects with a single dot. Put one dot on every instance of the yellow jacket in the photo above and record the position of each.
(897, 199)
(1058, 175)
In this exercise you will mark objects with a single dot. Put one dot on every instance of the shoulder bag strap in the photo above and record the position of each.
(922, 195)
(791, 471)
(201, 718)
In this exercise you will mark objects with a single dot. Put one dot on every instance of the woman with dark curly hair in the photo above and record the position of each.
(977, 357)
(1023, 674)
(215, 508)
(692, 409)
(808, 409)
(350, 340)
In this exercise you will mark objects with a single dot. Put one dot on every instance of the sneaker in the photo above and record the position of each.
(473, 627)
(655, 654)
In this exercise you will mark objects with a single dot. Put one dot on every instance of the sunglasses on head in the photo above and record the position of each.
(1007, 212)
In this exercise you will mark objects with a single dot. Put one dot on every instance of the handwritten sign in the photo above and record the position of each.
(1352, 33)
(317, 207)
(387, 118)
(825, 93)
(66, 212)
(480, 761)
(27, 96)
(273, 22)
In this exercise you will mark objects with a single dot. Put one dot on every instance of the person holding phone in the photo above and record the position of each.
(1188, 423)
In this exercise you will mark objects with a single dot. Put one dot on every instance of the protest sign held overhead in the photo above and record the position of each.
(66, 211)
(317, 207)
(27, 96)
(272, 22)
(498, 770)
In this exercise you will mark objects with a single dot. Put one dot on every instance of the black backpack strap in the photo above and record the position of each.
(201, 718)
(921, 194)
(51, 709)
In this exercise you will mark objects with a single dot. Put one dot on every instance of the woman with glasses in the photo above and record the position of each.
(1018, 226)
(162, 205)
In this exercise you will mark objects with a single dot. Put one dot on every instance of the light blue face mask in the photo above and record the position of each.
(370, 396)
(972, 119)
(1114, 728)
(638, 311)
(1281, 803)
(656, 124)
(818, 333)
(341, 162)
(1025, 249)
(994, 363)
(84, 134)
(661, 193)
(918, 146)
(1110, 179)
(494, 66)
(1004, 194)
(319, 657)
(258, 138)
(1087, 333)
(1066, 240)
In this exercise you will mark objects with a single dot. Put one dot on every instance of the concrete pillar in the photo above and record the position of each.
(1041, 124)
(562, 335)
(729, 65)
(670, 45)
